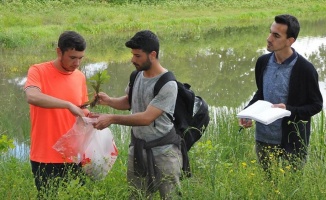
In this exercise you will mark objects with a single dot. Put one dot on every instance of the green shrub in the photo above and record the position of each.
(5, 143)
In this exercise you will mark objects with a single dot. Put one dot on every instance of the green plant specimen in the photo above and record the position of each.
(96, 81)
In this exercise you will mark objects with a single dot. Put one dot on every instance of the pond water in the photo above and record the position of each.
(218, 65)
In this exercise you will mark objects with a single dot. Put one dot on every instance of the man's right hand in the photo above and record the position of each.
(103, 98)
(76, 111)
(245, 122)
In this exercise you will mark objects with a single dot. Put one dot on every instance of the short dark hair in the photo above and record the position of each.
(71, 40)
(291, 22)
(145, 40)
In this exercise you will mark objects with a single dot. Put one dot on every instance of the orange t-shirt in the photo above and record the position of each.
(49, 124)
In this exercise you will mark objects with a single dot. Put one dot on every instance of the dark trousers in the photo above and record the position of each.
(48, 176)
(268, 154)
(271, 154)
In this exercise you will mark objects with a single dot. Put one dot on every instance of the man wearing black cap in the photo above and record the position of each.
(153, 164)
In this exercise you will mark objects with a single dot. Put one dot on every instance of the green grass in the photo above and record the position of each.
(223, 165)
(30, 28)
(223, 162)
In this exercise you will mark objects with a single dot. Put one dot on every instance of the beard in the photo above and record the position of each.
(145, 66)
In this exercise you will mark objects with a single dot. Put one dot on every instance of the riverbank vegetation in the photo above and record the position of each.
(223, 166)
(223, 162)
(31, 27)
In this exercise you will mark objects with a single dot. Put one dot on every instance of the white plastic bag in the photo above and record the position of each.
(100, 154)
(72, 145)
(95, 149)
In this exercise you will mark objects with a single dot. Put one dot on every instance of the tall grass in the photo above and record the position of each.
(223, 162)
(227, 163)
(223, 166)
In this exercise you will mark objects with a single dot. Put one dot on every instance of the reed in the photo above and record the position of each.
(223, 165)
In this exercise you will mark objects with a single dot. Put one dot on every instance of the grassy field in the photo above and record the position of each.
(30, 28)
(223, 162)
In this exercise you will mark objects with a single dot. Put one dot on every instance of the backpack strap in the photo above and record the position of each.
(166, 77)
(132, 79)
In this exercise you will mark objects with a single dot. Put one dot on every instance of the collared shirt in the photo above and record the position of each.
(276, 88)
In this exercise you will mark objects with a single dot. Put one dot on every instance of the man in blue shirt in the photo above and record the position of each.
(289, 81)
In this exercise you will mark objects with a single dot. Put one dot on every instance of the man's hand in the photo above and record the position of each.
(280, 105)
(76, 111)
(103, 121)
(103, 98)
(245, 123)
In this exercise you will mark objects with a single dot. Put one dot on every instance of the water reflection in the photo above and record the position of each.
(308, 45)
(89, 70)
(19, 81)
(20, 151)
(225, 70)
(223, 76)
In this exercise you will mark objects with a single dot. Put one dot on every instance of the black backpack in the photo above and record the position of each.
(190, 127)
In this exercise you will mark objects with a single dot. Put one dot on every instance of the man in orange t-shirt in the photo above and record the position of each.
(54, 90)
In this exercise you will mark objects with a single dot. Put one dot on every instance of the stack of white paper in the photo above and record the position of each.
(263, 112)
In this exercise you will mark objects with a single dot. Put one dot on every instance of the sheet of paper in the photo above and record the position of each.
(263, 112)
